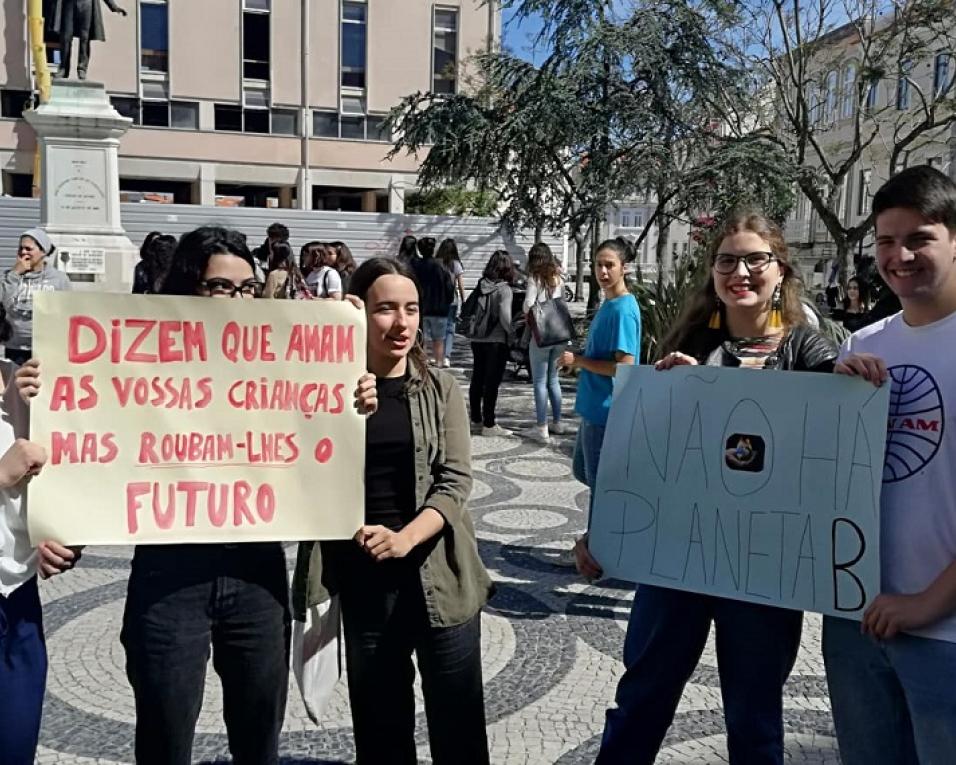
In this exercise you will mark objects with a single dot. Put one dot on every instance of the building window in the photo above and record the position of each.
(814, 107)
(352, 127)
(285, 122)
(154, 36)
(184, 115)
(158, 112)
(625, 219)
(902, 161)
(872, 95)
(863, 192)
(849, 92)
(228, 117)
(941, 76)
(378, 129)
(255, 45)
(13, 102)
(935, 162)
(256, 116)
(325, 124)
(127, 107)
(638, 220)
(354, 23)
(255, 5)
(445, 51)
(903, 86)
(832, 83)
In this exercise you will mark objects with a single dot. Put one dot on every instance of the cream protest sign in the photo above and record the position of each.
(181, 419)
(757, 486)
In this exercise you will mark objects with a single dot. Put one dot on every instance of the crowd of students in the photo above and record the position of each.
(411, 581)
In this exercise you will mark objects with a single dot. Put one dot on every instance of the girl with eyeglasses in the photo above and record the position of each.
(747, 314)
(184, 598)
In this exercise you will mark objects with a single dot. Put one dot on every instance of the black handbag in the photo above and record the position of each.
(550, 323)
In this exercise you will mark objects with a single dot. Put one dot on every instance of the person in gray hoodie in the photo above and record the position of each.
(491, 351)
(30, 274)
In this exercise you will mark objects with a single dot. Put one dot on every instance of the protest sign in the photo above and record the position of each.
(182, 419)
(758, 486)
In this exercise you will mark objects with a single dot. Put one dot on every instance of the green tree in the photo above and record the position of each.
(452, 200)
(845, 85)
(622, 106)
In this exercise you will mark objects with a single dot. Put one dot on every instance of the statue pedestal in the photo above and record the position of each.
(79, 132)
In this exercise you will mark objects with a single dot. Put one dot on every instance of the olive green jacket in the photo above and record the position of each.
(454, 580)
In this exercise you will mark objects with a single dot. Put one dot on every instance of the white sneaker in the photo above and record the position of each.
(559, 428)
(536, 433)
(495, 430)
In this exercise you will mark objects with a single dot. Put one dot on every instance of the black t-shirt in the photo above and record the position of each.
(390, 458)
(438, 291)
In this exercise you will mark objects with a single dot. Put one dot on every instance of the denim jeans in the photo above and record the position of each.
(894, 701)
(544, 373)
(450, 329)
(385, 621)
(434, 327)
(23, 667)
(486, 376)
(181, 599)
(587, 455)
(756, 648)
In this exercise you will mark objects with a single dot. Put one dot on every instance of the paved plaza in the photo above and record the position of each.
(552, 642)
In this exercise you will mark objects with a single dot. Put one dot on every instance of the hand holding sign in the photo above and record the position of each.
(759, 486)
(184, 420)
(21, 461)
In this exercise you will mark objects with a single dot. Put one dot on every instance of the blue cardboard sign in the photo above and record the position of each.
(754, 485)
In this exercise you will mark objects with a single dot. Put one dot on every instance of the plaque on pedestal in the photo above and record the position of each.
(78, 132)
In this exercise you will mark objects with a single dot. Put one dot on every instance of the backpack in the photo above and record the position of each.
(479, 314)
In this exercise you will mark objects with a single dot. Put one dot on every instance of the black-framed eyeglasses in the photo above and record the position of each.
(755, 262)
(227, 288)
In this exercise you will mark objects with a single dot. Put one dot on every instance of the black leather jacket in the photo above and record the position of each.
(803, 349)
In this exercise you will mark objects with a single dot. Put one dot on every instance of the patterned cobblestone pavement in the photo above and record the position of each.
(551, 642)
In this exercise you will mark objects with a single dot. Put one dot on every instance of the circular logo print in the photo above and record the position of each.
(915, 427)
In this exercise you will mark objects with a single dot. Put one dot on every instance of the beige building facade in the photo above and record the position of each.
(262, 103)
(889, 106)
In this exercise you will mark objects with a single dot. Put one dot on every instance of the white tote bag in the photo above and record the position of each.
(316, 656)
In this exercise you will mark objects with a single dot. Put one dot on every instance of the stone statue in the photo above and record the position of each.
(82, 19)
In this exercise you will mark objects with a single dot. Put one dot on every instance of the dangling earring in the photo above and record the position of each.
(715, 317)
(420, 338)
(776, 312)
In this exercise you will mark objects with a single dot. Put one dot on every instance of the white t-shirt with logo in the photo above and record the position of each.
(918, 501)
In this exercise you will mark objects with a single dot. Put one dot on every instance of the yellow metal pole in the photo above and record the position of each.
(42, 71)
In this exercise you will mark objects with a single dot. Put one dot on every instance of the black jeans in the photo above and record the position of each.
(756, 648)
(486, 376)
(181, 599)
(385, 620)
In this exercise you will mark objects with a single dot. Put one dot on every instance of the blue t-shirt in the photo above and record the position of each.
(616, 329)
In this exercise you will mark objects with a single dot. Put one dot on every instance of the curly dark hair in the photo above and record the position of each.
(193, 253)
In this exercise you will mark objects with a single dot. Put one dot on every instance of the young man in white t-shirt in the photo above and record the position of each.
(893, 679)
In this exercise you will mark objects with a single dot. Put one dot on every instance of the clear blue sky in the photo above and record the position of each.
(520, 38)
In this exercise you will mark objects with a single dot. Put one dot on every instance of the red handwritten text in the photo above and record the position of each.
(327, 343)
(237, 503)
(82, 448)
(168, 392)
(144, 341)
(287, 396)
